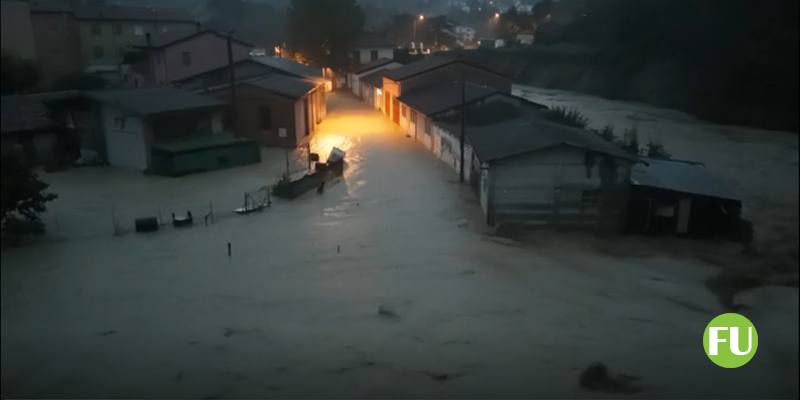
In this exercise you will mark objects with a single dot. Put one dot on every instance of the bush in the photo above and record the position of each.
(23, 197)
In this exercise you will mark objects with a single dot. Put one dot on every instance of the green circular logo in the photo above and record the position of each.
(730, 340)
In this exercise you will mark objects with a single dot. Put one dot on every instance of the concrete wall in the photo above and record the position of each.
(207, 52)
(124, 147)
(17, 30)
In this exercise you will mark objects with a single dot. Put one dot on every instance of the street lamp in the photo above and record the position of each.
(496, 15)
(420, 19)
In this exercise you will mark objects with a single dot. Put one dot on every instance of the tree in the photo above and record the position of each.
(23, 196)
(324, 31)
(19, 74)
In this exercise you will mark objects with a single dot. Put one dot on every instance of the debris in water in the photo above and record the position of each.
(108, 333)
(441, 376)
(596, 377)
(387, 312)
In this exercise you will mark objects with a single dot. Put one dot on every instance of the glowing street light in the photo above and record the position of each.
(496, 15)
(414, 35)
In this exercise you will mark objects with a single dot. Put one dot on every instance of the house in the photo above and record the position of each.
(17, 29)
(372, 87)
(107, 32)
(160, 130)
(175, 56)
(528, 170)
(56, 35)
(431, 70)
(681, 197)
(491, 43)
(419, 106)
(361, 70)
(27, 128)
(525, 38)
(275, 109)
(281, 101)
(370, 47)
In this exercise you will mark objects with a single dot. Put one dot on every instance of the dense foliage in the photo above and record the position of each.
(732, 61)
(19, 75)
(324, 30)
(23, 196)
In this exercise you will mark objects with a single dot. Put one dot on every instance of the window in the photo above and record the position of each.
(414, 116)
(403, 111)
(119, 123)
(118, 29)
(264, 117)
(98, 52)
(427, 125)
(356, 55)
(138, 30)
(96, 29)
(373, 55)
(186, 58)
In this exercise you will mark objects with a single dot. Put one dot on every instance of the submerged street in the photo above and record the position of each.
(387, 284)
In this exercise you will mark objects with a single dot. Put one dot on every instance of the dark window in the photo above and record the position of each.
(117, 29)
(414, 116)
(96, 29)
(427, 125)
(265, 117)
(373, 55)
(403, 111)
(98, 52)
(356, 55)
(186, 58)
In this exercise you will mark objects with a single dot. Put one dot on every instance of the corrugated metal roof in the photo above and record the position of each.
(372, 65)
(374, 78)
(284, 85)
(679, 176)
(443, 96)
(417, 67)
(498, 130)
(290, 67)
(147, 101)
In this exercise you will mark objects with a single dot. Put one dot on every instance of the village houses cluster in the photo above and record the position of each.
(188, 99)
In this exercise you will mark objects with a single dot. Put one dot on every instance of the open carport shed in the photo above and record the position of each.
(681, 197)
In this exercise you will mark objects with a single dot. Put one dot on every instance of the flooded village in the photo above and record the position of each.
(427, 209)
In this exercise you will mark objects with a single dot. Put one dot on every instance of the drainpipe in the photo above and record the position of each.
(463, 119)
(232, 83)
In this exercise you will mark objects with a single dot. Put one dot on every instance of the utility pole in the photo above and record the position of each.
(232, 83)
(463, 122)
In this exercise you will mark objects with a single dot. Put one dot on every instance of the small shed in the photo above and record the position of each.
(681, 197)
(201, 154)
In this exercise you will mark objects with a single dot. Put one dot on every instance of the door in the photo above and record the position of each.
(386, 105)
(684, 212)
(395, 110)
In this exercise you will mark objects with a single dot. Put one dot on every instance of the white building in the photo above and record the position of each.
(369, 48)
